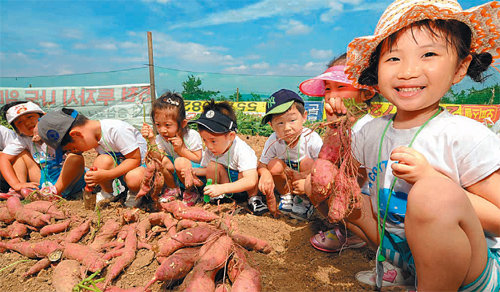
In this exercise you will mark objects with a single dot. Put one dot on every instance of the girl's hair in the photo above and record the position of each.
(341, 60)
(6, 107)
(223, 107)
(458, 36)
(173, 103)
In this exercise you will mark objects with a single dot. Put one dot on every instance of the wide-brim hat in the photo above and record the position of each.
(316, 86)
(22, 109)
(215, 122)
(483, 21)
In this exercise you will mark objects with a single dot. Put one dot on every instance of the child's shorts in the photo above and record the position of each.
(50, 174)
(292, 164)
(398, 253)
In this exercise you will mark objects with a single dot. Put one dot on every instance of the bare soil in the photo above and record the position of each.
(293, 265)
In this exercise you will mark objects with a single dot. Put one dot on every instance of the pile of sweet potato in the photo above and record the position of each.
(190, 243)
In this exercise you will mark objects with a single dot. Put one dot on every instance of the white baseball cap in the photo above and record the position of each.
(21, 109)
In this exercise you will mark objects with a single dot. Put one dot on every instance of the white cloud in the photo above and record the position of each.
(48, 45)
(261, 66)
(108, 46)
(294, 27)
(273, 8)
(192, 52)
(321, 54)
(72, 34)
(129, 45)
(237, 69)
(80, 46)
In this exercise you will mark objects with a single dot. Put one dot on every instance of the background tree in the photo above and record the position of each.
(192, 90)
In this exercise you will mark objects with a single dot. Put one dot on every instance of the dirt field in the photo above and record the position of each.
(293, 265)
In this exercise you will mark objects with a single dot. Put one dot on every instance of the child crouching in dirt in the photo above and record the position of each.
(179, 148)
(59, 174)
(229, 162)
(291, 148)
(434, 177)
(120, 146)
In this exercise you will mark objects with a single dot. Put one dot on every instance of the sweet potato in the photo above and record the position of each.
(14, 230)
(147, 181)
(199, 280)
(332, 145)
(142, 228)
(216, 255)
(271, 204)
(77, 233)
(176, 266)
(248, 280)
(46, 207)
(5, 215)
(187, 237)
(118, 289)
(130, 216)
(54, 228)
(323, 174)
(66, 275)
(126, 258)
(33, 250)
(24, 215)
(91, 259)
(251, 243)
(105, 234)
(181, 211)
(40, 265)
(13, 204)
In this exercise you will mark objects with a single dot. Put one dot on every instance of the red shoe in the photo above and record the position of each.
(190, 197)
(334, 241)
(169, 195)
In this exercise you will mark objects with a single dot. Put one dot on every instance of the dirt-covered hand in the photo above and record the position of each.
(334, 107)
(299, 187)
(410, 165)
(266, 184)
(94, 177)
(213, 190)
(147, 132)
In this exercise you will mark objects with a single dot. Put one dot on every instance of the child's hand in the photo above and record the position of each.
(266, 184)
(147, 132)
(411, 166)
(36, 138)
(213, 190)
(95, 177)
(176, 142)
(27, 185)
(299, 187)
(334, 107)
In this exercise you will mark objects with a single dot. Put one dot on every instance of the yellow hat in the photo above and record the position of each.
(483, 20)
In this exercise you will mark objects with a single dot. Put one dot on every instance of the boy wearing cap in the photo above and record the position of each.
(227, 160)
(58, 174)
(120, 146)
(291, 146)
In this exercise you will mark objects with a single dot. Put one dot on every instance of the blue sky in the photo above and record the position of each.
(277, 37)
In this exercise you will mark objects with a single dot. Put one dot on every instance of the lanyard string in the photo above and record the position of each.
(43, 165)
(381, 227)
(298, 155)
(228, 173)
(109, 150)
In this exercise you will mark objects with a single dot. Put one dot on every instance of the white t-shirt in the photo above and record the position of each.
(120, 137)
(40, 152)
(461, 148)
(192, 140)
(355, 128)
(239, 156)
(309, 145)
(6, 137)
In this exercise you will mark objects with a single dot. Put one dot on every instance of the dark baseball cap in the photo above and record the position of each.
(215, 121)
(53, 126)
(279, 102)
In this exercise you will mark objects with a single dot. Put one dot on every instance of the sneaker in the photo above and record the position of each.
(393, 277)
(169, 195)
(102, 195)
(257, 207)
(218, 198)
(130, 201)
(48, 193)
(334, 240)
(190, 197)
(286, 203)
(302, 209)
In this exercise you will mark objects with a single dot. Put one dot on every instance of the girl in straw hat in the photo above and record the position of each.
(434, 178)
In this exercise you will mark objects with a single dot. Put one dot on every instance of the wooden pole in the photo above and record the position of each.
(237, 94)
(151, 67)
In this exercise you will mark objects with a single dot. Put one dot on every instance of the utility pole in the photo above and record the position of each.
(151, 67)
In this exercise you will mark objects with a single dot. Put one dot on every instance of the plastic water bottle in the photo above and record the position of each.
(206, 198)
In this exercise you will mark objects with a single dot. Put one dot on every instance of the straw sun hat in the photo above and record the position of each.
(483, 20)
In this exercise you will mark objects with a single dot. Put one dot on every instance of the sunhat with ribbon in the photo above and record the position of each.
(316, 86)
(483, 20)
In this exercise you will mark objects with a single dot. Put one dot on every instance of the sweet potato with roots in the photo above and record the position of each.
(5, 216)
(181, 211)
(24, 215)
(46, 207)
(126, 258)
(87, 256)
(175, 266)
(251, 243)
(66, 275)
(14, 230)
(243, 276)
(32, 250)
(54, 228)
(323, 175)
(77, 233)
(40, 265)
(108, 230)
(187, 237)
(153, 180)
(199, 280)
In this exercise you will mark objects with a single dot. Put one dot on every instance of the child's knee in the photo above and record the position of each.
(181, 163)
(74, 160)
(134, 177)
(306, 164)
(276, 166)
(104, 161)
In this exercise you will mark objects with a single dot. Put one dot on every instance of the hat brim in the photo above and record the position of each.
(485, 34)
(277, 110)
(31, 108)
(316, 86)
(211, 125)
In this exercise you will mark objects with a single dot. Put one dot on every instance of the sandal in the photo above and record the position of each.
(334, 241)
